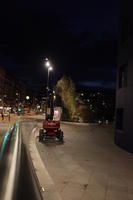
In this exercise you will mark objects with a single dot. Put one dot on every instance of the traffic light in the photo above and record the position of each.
(19, 111)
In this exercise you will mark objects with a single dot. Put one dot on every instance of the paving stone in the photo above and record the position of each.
(89, 166)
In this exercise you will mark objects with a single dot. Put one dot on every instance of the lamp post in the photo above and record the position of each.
(48, 101)
(27, 102)
(49, 67)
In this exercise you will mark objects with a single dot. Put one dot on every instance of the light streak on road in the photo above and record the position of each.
(11, 178)
(2, 134)
(2, 131)
(14, 135)
(4, 142)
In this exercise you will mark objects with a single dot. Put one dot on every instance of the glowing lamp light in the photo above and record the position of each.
(47, 64)
(27, 97)
(19, 109)
(50, 68)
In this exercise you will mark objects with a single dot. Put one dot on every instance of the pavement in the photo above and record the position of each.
(6, 122)
(88, 166)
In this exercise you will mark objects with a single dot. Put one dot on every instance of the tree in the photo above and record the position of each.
(73, 106)
(65, 88)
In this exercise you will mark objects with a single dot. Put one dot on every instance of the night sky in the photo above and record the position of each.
(79, 37)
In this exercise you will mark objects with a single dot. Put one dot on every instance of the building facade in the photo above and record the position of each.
(12, 92)
(124, 93)
(2, 80)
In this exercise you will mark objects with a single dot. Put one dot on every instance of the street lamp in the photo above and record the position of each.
(50, 68)
(49, 99)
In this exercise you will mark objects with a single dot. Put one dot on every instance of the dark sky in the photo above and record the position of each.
(79, 37)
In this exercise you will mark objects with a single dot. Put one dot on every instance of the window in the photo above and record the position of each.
(123, 76)
(119, 119)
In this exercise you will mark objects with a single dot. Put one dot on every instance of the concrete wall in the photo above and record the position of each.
(124, 96)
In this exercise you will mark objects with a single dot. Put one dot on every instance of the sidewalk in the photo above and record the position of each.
(13, 118)
(89, 166)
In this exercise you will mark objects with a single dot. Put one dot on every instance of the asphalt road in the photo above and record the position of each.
(88, 166)
(24, 186)
(7, 138)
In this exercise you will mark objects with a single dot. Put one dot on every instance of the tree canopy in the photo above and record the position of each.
(65, 88)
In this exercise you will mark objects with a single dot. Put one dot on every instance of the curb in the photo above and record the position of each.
(84, 124)
(74, 123)
(47, 186)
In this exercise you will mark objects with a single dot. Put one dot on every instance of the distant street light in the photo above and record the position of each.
(27, 97)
